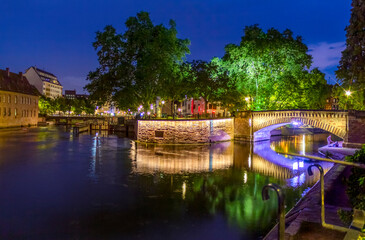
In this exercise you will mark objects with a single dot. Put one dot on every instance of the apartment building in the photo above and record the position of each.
(46, 83)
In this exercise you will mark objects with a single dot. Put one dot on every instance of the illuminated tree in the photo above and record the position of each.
(135, 65)
(351, 70)
(271, 69)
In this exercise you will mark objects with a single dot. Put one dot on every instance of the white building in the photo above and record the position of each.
(46, 83)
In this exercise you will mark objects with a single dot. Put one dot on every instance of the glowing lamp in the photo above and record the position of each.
(295, 123)
(247, 99)
(348, 92)
(295, 166)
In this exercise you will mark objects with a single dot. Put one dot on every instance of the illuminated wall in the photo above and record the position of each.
(185, 131)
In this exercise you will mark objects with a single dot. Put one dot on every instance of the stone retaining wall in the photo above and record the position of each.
(185, 131)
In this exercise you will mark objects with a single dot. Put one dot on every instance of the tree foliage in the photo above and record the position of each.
(351, 70)
(61, 105)
(209, 81)
(356, 181)
(138, 65)
(272, 69)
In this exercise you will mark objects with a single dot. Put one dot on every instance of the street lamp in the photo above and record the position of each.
(347, 93)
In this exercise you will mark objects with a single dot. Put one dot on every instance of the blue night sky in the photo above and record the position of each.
(57, 35)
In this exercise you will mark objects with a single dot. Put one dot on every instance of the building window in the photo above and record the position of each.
(15, 112)
(9, 99)
(15, 99)
(9, 112)
(4, 112)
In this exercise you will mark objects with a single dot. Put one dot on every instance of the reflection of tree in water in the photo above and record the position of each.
(240, 201)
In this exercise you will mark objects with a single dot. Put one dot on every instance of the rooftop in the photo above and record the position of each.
(16, 83)
(44, 72)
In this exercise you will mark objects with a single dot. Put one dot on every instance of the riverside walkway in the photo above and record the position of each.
(303, 221)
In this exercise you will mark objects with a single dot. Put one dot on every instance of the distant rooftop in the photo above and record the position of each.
(43, 75)
(42, 71)
(16, 83)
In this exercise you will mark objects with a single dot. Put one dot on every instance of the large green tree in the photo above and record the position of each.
(137, 64)
(351, 71)
(208, 81)
(271, 70)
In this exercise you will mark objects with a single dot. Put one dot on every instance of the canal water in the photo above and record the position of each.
(54, 185)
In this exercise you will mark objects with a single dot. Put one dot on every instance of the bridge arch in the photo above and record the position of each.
(262, 129)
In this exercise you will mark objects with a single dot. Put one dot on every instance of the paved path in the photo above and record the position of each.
(308, 209)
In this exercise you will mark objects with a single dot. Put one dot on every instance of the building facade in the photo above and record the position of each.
(194, 107)
(71, 94)
(46, 83)
(18, 100)
(332, 103)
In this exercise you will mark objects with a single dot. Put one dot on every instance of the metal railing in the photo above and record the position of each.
(281, 196)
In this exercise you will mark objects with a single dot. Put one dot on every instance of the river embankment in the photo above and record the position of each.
(303, 221)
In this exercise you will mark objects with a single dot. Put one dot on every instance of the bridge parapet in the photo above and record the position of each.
(256, 126)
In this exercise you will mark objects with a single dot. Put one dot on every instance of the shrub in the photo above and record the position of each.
(356, 182)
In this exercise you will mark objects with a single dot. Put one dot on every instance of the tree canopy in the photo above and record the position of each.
(209, 81)
(266, 71)
(271, 69)
(351, 71)
(138, 65)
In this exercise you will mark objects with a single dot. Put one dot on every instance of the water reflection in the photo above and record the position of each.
(103, 186)
(181, 159)
(231, 176)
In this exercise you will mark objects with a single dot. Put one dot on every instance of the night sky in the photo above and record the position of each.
(57, 35)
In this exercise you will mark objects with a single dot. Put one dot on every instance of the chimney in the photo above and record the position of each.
(21, 75)
(7, 72)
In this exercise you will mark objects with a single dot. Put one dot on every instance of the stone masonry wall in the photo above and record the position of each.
(356, 136)
(185, 131)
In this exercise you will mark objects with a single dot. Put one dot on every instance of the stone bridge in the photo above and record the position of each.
(256, 126)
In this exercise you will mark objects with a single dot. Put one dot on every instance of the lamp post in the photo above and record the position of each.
(348, 94)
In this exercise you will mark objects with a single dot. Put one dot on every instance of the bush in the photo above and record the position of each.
(345, 216)
(356, 182)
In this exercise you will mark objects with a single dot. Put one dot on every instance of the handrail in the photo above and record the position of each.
(281, 206)
(359, 165)
(323, 221)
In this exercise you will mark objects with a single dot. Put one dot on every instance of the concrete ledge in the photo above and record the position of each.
(352, 145)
